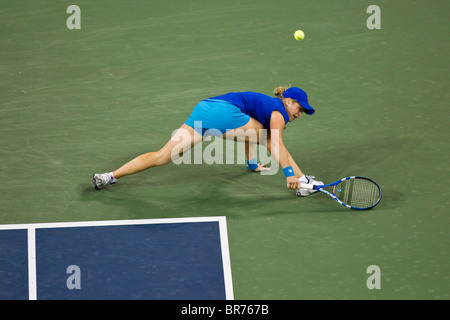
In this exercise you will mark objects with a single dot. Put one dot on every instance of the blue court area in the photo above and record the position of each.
(13, 264)
(137, 260)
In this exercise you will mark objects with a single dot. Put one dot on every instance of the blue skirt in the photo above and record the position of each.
(218, 116)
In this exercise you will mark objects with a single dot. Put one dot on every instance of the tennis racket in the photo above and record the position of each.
(358, 193)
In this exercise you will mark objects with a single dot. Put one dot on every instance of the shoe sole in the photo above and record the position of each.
(94, 183)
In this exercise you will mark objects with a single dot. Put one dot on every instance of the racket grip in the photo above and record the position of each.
(306, 186)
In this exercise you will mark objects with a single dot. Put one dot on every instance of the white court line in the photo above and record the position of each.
(107, 223)
(226, 258)
(32, 242)
(32, 288)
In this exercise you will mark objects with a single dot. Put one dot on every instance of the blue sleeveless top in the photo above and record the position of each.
(257, 105)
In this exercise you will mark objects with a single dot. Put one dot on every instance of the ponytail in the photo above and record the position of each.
(278, 91)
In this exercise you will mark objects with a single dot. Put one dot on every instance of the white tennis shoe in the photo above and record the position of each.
(103, 180)
(308, 180)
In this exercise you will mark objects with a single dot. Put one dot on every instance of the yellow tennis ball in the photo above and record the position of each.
(299, 35)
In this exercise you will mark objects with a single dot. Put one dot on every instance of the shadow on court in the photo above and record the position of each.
(233, 191)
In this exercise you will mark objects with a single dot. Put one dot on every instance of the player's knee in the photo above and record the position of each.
(162, 157)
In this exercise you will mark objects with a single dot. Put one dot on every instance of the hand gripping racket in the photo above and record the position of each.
(358, 193)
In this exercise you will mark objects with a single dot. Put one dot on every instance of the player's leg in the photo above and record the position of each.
(250, 134)
(184, 138)
(254, 132)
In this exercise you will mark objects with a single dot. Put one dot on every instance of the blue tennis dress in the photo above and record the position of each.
(234, 110)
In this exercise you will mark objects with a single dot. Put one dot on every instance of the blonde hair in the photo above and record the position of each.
(278, 91)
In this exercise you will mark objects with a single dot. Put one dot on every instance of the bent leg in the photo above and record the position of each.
(253, 132)
(247, 133)
(184, 139)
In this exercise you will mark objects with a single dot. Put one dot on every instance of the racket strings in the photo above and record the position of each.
(359, 193)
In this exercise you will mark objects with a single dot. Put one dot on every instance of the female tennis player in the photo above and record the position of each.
(233, 115)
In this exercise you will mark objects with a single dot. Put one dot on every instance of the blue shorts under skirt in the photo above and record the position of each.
(216, 114)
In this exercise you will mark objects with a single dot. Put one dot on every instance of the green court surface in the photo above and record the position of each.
(75, 102)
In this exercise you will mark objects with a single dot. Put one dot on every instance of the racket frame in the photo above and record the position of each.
(333, 195)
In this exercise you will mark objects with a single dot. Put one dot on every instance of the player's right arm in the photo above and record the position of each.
(279, 151)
